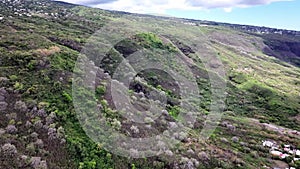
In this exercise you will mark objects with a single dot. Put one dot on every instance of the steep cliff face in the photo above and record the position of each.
(285, 48)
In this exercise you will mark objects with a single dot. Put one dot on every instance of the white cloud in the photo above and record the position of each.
(88, 2)
(160, 6)
(229, 3)
(144, 6)
(227, 9)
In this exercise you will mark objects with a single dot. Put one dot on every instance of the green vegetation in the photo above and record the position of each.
(38, 55)
(151, 40)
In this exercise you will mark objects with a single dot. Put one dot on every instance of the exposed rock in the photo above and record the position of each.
(225, 123)
(283, 49)
(173, 125)
(203, 156)
(224, 140)
(165, 112)
(24, 157)
(235, 139)
(243, 144)
(231, 127)
(169, 153)
(228, 125)
(3, 106)
(186, 50)
(126, 48)
(191, 152)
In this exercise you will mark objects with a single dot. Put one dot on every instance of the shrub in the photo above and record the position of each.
(238, 77)
(38, 124)
(39, 143)
(18, 86)
(13, 77)
(30, 148)
(32, 64)
(67, 97)
(20, 106)
(8, 150)
(174, 112)
(100, 90)
(11, 129)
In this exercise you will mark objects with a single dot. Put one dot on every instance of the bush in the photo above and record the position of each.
(100, 90)
(8, 150)
(67, 97)
(238, 77)
(13, 77)
(18, 86)
(11, 129)
(32, 64)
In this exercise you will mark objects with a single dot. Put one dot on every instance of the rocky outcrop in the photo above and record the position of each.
(285, 50)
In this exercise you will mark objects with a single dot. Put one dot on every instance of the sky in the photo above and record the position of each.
(284, 14)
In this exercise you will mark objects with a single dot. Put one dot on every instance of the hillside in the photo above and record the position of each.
(64, 79)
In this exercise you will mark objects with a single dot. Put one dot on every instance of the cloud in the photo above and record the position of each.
(160, 6)
(228, 3)
(227, 9)
(89, 2)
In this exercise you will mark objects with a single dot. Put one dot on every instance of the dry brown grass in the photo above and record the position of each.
(48, 52)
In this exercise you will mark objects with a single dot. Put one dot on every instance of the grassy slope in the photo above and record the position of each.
(259, 86)
(269, 83)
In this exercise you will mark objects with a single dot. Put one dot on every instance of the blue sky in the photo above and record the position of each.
(285, 15)
(271, 13)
